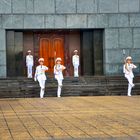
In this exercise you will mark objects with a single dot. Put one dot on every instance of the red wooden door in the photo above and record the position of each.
(51, 48)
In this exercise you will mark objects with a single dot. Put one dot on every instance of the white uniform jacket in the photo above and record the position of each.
(40, 73)
(75, 60)
(129, 70)
(29, 60)
(58, 71)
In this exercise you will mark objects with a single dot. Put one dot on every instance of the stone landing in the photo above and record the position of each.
(66, 118)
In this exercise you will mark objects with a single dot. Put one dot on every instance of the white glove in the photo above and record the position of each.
(35, 79)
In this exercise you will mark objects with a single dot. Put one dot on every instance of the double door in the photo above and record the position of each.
(50, 48)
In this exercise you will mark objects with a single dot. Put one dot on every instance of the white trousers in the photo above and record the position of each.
(59, 87)
(29, 71)
(76, 71)
(130, 84)
(42, 87)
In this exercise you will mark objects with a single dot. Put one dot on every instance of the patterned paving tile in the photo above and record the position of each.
(101, 118)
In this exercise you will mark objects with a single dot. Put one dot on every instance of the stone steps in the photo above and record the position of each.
(85, 86)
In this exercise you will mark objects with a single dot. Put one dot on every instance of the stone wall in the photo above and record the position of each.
(119, 18)
(117, 39)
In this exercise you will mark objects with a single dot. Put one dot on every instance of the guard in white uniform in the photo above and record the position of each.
(29, 64)
(128, 71)
(75, 62)
(58, 69)
(40, 76)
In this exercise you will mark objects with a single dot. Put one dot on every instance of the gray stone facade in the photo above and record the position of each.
(120, 20)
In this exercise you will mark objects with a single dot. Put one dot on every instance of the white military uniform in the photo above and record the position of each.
(41, 77)
(29, 64)
(75, 62)
(59, 77)
(128, 71)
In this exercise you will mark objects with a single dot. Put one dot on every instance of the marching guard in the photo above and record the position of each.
(128, 71)
(29, 64)
(58, 69)
(40, 76)
(75, 62)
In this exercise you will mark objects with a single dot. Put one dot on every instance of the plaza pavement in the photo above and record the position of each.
(66, 118)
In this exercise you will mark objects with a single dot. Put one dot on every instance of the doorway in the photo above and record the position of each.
(51, 44)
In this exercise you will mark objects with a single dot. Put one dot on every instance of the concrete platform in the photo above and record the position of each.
(66, 118)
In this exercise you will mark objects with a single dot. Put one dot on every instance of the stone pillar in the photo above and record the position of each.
(98, 52)
(3, 71)
(87, 52)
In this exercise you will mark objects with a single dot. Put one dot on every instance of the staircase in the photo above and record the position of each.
(22, 87)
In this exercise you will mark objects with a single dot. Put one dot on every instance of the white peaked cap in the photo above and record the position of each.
(128, 58)
(40, 59)
(58, 59)
(75, 50)
(29, 51)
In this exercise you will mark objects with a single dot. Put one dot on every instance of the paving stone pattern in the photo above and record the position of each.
(95, 118)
